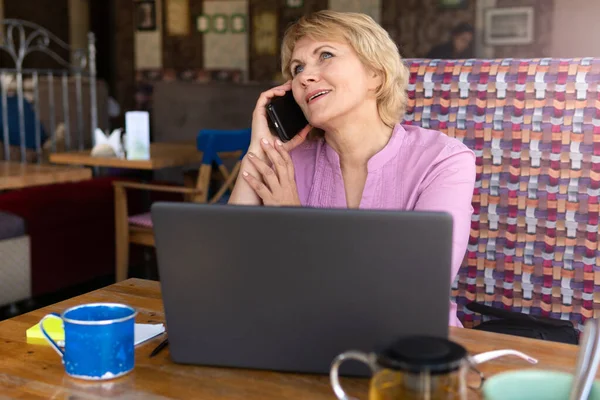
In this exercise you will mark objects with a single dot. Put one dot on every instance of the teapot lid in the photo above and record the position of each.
(422, 353)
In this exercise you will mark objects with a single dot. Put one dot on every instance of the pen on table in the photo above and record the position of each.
(161, 346)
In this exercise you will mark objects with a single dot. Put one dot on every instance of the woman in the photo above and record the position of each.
(347, 76)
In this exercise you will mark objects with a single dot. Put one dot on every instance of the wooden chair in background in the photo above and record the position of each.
(138, 229)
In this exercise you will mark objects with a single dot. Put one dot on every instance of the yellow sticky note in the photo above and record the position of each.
(54, 328)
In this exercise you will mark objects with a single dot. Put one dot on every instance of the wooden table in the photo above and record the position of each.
(16, 175)
(162, 155)
(35, 371)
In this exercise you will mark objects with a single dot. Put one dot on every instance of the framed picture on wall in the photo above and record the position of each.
(452, 4)
(508, 26)
(264, 33)
(294, 3)
(178, 19)
(238, 23)
(219, 23)
(203, 23)
(145, 15)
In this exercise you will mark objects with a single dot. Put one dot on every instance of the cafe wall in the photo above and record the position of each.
(543, 22)
(195, 52)
(418, 25)
(238, 40)
(576, 29)
(211, 40)
(50, 14)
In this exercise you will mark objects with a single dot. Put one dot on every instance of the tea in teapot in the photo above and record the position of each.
(418, 368)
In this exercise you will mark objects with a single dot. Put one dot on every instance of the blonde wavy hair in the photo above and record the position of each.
(373, 45)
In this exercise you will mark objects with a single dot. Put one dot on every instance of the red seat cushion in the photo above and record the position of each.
(71, 228)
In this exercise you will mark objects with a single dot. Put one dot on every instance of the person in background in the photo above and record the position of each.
(347, 76)
(460, 46)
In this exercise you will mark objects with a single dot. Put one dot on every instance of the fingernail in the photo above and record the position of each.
(265, 141)
(245, 173)
(279, 143)
(251, 155)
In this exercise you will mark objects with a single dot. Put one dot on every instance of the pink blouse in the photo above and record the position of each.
(419, 169)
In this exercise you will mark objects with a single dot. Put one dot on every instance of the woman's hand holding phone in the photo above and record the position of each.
(260, 125)
(267, 177)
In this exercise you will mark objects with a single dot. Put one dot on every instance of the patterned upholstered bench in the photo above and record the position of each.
(15, 266)
(535, 128)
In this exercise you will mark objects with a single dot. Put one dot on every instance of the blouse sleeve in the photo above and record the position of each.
(449, 187)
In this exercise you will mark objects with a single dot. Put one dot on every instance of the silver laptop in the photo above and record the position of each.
(287, 289)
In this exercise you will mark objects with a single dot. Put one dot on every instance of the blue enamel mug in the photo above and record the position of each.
(99, 340)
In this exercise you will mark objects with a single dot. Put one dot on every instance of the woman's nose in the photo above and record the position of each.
(309, 75)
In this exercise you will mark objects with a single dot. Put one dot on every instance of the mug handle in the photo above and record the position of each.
(55, 346)
(335, 366)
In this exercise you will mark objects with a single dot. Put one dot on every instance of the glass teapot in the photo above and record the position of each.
(418, 368)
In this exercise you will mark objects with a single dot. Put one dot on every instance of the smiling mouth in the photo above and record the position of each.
(318, 95)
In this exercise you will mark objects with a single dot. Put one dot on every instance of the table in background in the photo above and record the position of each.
(162, 155)
(35, 371)
(16, 175)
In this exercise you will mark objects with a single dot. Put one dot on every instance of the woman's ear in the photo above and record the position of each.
(375, 80)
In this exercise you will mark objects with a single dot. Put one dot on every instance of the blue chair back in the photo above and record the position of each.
(213, 141)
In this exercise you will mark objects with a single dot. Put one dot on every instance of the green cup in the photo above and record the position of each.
(532, 385)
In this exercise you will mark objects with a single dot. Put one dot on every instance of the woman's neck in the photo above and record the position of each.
(357, 140)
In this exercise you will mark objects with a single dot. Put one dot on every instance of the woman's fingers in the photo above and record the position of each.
(285, 155)
(278, 162)
(260, 188)
(266, 96)
(297, 139)
(269, 176)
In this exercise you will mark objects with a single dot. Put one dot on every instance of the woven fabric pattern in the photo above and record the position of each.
(535, 128)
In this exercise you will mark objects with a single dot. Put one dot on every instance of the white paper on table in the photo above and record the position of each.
(143, 332)
(137, 141)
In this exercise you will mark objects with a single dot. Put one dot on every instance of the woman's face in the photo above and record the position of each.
(462, 41)
(329, 81)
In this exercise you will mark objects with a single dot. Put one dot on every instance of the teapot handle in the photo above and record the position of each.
(338, 361)
(490, 355)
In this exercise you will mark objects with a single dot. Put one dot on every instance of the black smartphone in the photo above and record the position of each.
(285, 116)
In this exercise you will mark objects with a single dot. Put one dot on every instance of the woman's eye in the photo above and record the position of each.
(326, 54)
(297, 69)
